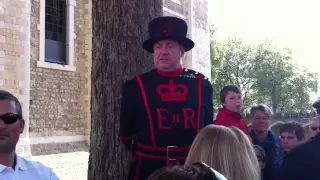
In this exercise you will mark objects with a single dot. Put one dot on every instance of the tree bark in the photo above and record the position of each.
(119, 28)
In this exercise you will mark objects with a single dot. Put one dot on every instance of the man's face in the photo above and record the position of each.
(167, 55)
(315, 127)
(289, 140)
(260, 121)
(9, 133)
(233, 102)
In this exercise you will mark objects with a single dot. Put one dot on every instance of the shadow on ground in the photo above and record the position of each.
(57, 148)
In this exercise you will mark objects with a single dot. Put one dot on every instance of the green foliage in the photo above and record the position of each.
(266, 74)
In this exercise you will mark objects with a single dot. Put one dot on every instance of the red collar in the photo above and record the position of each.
(170, 74)
(226, 112)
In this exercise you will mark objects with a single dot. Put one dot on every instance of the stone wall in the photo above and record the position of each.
(199, 21)
(15, 57)
(60, 98)
(87, 15)
(175, 5)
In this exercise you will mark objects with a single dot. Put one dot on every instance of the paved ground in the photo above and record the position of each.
(69, 162)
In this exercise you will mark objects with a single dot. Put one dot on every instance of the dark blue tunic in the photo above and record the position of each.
(161, 110)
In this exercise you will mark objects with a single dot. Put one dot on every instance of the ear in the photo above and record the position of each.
(21, 123)
(182, 51)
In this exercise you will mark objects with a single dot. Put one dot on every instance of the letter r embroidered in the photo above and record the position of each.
(188, 115)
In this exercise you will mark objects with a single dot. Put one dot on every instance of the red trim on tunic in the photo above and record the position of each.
(160, 148)
(136, 177)
(144, 96)
(134, 159)
(150, 156)
(125, 138)
(199, 100)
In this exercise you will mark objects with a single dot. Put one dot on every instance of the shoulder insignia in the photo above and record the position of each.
(190, 74)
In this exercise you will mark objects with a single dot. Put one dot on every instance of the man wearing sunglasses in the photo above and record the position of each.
(303, 162)
(13, 166)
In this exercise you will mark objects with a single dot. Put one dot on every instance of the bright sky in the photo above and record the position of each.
(288, 23)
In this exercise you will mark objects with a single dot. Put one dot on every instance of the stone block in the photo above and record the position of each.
(174, 6)
(2, 53)
(2, 39)
(201, 36)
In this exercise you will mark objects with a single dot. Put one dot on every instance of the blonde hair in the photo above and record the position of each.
(246, 145)
(218, 146)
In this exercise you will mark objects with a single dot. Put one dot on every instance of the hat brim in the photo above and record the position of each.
(187, 43)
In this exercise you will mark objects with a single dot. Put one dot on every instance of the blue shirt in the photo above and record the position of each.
(274, 152)
(27, 170)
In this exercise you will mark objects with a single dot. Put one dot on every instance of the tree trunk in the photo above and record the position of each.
(274, 100)
(119, 28)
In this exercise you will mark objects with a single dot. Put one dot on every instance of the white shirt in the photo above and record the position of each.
(27, 170)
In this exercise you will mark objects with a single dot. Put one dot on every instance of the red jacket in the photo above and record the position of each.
(228, 118)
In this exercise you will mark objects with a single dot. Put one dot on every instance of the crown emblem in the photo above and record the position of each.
(172, 92)
(166, 30)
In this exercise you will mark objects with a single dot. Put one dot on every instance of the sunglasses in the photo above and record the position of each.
(206, 172)
(315, 128)
(10, 118)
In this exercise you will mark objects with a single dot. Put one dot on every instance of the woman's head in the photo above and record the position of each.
(261, 117)
(261, 155)
(275, 127)
(218, 146)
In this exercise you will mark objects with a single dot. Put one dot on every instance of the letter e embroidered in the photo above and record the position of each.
(162, 116)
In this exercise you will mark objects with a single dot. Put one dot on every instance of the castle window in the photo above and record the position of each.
(55, 31)
(57, 35)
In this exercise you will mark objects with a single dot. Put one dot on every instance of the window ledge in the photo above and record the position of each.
(48, 65)
(176, 1)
